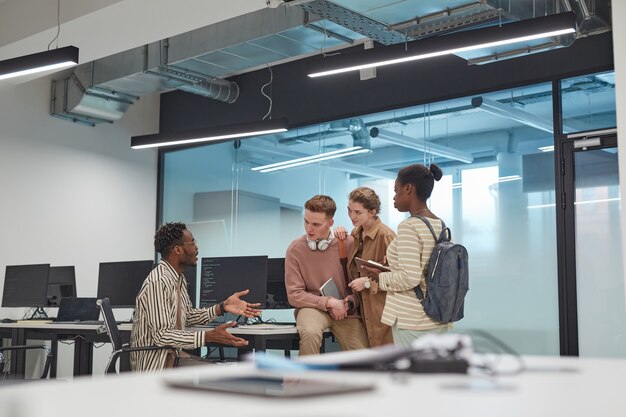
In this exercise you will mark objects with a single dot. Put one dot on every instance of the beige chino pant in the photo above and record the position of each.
(311, 323)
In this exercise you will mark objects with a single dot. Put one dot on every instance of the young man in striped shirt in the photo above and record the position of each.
(163, 308)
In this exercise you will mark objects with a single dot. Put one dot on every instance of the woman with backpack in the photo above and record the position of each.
(408, 256)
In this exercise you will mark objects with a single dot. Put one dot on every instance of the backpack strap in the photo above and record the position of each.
(418, 290)
(445, 235)
(430, 227)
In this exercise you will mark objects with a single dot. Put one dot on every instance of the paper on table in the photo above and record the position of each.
(360, 262)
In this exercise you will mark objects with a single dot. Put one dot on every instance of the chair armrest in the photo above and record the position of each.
(45, 348)
(127, 349)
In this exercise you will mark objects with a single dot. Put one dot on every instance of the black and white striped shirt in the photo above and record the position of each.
(154, 322)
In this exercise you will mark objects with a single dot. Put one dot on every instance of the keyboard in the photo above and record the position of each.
(267, 326)
(211, 325)
(86, 322)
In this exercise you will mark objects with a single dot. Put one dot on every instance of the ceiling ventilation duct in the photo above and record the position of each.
(196, 62)
(91, 95)
(443, 19)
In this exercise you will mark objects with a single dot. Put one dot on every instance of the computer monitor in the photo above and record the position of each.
(191, 275)
(222, 277)
(120, 282)
(25, 286)
(276, 292)
(61, 284)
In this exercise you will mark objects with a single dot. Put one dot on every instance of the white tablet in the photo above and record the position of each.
(360, 262)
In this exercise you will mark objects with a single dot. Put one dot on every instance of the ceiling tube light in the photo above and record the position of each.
(39, 62)
(509, 178)
(489, 37)
(421, 145)
(211, 134)
(311, 159)
(498, 109)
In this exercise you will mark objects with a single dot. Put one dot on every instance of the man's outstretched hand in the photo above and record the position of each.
(220, 335)
(234, 304)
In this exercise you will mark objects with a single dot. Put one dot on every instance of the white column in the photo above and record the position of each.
(619, 56)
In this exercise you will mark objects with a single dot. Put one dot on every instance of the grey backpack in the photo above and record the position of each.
(447, 281)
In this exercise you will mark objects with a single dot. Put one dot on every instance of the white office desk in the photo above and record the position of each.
(596, 389)
(84, 335)
(263, 337)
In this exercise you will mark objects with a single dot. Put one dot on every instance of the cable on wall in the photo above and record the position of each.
(58, 26)
(269, 97)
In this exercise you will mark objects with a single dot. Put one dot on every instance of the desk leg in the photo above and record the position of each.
(83, 357)
(54, 346)
(260, 344)
(18, 357)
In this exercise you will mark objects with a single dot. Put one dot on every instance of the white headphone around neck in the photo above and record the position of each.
(322, 244)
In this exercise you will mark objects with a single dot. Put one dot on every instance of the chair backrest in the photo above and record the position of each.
(109, 323)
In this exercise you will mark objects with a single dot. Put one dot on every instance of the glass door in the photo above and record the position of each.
(593, 202)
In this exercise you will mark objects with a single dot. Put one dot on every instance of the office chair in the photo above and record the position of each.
(45, 348)
(116, 339)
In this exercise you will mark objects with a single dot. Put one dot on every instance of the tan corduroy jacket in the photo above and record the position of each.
(374, 244)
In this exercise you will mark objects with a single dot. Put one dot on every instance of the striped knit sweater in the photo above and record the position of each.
(154, 320)
(408, 256)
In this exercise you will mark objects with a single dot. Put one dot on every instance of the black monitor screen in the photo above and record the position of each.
(61, 284)
(191, 276)
(25, 285)
(222, 277)
(120, 282)
(276, 292)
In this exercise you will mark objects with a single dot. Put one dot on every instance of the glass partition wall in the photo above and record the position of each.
(497, 195)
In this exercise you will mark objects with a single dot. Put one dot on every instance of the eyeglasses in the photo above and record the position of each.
(193, 242)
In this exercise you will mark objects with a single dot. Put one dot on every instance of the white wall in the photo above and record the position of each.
(72, 194)
(619, 56)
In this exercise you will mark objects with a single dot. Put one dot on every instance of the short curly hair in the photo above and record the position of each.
(168, 236)
(321, 204)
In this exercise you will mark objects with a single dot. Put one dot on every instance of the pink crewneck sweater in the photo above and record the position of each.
(307, 270)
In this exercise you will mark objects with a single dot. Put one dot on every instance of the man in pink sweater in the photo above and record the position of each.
(309, 262)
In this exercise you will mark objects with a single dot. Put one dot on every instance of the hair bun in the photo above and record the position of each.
(436, 171)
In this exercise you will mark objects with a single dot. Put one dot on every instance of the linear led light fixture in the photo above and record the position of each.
(506, 178)
(576, 203)
(509, 178)
(41, 61)
(538, 206)
(546, 148)
(311, 159)
(421, 145)
(603, 200)
(498, 109)
(489, 37)
(258, 128)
